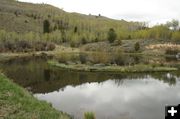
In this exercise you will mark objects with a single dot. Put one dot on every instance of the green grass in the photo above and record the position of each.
(17, 103)
(134, 68)
(89, 115)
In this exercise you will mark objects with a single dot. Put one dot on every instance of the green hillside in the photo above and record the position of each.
(36, 26)
(24, 17)
(25, 21)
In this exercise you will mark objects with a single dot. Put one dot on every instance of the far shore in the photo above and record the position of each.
(68, 50)
(112, 68)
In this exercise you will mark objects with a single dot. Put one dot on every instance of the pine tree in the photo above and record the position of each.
(46, 26)
(112, 35)
(137, 46)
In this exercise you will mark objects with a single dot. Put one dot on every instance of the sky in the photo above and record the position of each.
(151, 11)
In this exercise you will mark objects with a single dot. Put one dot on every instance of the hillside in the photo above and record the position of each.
(24, 17)
(38, 27)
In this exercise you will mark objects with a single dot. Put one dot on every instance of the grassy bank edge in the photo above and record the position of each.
(17, 103)
(123, 69)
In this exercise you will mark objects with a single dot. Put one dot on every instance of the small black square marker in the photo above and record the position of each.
(172, 112)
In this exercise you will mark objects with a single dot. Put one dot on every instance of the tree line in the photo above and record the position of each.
(75, 36)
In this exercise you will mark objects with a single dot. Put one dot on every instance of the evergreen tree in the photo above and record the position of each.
(137, 46)
(112, 35)
(46, 26)
(75, 29)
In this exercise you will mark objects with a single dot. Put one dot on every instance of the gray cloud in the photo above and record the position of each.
(152, 11)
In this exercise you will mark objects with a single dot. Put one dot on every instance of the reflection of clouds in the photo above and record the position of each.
(148, 96)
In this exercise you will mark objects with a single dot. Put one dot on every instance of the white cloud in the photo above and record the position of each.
(153, 11)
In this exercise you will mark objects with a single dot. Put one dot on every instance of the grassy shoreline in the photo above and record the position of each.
(17, 103)
(123, 69)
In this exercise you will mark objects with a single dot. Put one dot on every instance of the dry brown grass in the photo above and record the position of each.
(99, 57)
(163, 46)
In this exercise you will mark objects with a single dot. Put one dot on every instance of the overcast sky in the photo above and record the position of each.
(152, 11)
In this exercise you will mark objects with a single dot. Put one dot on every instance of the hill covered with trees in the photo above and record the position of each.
(24, 24)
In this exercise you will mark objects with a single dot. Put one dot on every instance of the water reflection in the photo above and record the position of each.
(132, 99)
(109, 95)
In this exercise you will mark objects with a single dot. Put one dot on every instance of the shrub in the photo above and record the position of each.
(83, 41)
(89, 115)
(75, 43)
(72, 44)
(23, 44)
(2, 48)
(75, 29)
(46, 26)
(137, 46)
(117, 42)
(9, 45)
(99, 57)
(112, 35)
(176, 36)
(65, 58)
(43, 46)
(83, 58)
(129, 37)
(117, 58)
(39, 46)
(50, 46)
(96, 40)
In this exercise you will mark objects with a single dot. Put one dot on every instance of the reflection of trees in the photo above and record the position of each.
(118, 82)
(165, 77)
(169, 78)
(47, 74)
(171, 59)
(42, 78)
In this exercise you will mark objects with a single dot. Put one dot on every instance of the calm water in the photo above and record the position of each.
(108, 95)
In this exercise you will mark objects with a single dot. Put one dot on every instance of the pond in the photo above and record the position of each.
(108, 95)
